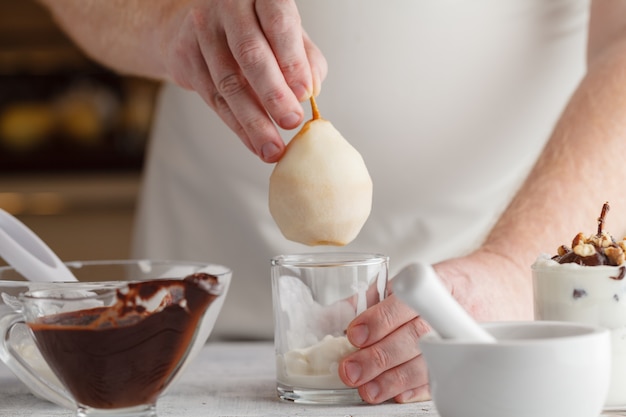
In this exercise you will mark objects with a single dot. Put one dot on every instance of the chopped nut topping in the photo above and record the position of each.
(562, 250)
(616, 255)
(579, 239)
(585, 249)
(603, 241)
(598, 249)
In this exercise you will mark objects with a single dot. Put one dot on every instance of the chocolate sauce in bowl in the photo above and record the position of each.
(124, 355)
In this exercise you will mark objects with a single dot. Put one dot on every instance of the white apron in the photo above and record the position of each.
(449, 103)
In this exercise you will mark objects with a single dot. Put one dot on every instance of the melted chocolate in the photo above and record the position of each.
(122, 355)
(598, 258)
(620, 276)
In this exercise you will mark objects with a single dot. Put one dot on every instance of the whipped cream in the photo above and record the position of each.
(315, 366)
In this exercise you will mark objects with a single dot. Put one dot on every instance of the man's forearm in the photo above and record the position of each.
(121, 34)
(581, 167)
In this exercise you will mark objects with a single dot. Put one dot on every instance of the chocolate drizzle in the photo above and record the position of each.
(622, 272)
(570, 256)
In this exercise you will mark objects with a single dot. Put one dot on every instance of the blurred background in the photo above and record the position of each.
(72, 138)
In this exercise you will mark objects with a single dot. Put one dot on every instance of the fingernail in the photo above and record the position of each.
(372, 390)
(413, 396)
(317, 82)
(290, 121)
(353, 372)
(358, 334)
(301, 92)
(269, 151)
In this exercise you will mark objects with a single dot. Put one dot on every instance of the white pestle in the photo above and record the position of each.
(418, 286)
(21, 248)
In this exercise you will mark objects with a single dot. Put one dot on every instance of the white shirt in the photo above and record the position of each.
(449, 103)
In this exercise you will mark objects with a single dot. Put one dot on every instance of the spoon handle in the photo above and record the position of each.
(420, 288)
(21, 248)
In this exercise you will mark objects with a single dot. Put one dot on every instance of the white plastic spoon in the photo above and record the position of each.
(21, 248)
(419, 287)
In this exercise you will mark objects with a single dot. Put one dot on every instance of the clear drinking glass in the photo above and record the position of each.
(315, 297)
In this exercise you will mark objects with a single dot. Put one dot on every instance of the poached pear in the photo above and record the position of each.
(320, 192)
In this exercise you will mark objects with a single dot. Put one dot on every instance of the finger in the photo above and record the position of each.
(405, 383)
(414, 395)
(188, 69)
(319, 65)
(397, 348)
(378, 321)
(234, 99)
(260, 68)
(282, 26)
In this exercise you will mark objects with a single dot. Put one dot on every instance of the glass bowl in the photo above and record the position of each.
(12, 284)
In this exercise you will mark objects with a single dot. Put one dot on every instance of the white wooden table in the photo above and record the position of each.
(225, 380)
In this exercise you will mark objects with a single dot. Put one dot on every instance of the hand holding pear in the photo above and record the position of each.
(320, 192)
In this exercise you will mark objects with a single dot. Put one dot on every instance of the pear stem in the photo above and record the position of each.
(315, 111)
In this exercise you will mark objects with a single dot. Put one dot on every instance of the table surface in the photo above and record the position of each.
(226, 379)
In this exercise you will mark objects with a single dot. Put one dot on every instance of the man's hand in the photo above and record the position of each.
(250, 60)
(389, 363)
